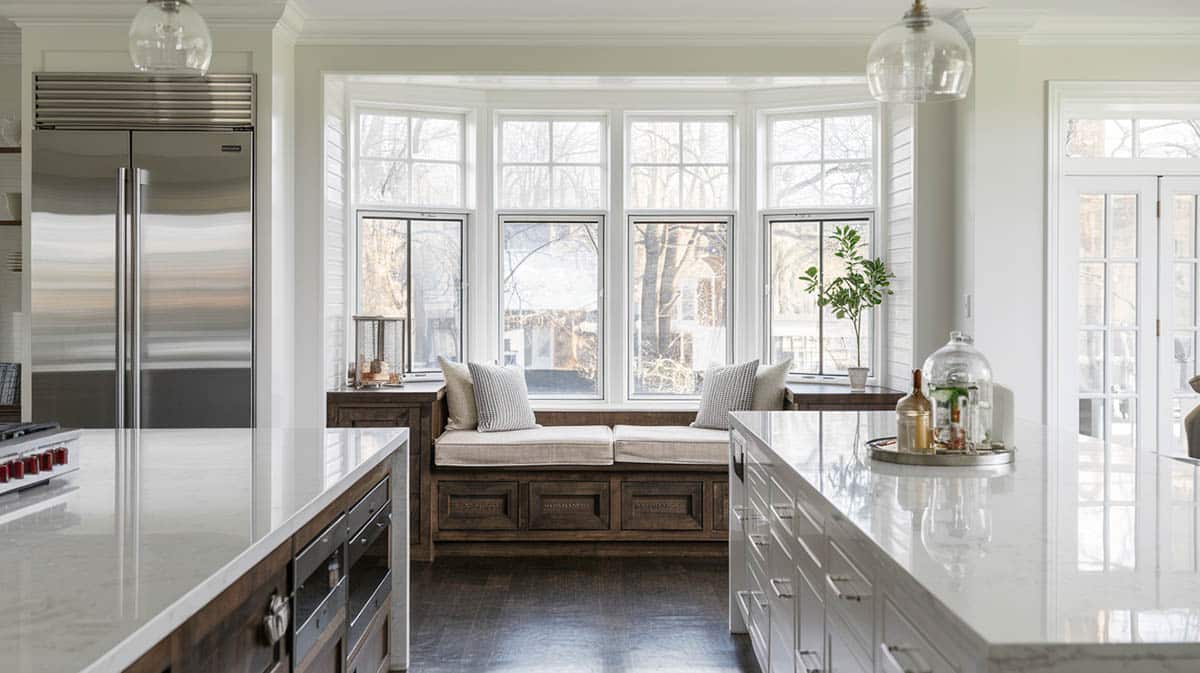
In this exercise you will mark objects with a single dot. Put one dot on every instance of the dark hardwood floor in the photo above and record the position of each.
(574, 615)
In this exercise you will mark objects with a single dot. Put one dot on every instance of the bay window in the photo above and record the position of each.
(552, 163)
(410, 158)
(680, 163)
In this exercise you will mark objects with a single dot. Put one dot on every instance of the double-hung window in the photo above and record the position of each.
(820, 175)
(679, 174)
(410, 263)
(552, 186)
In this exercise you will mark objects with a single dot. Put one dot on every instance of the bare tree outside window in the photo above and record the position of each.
(550, 307)
(410, 159)
(552, 164)
(821, 161)
(412, 268)
(680, 164)
(678, 304)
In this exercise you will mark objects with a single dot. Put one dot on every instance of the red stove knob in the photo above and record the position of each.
(47, 461)
(60, 455)
(31, 465)
(17, 469)
(4, 473)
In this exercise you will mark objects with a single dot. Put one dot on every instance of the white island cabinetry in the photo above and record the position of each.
(842, 565)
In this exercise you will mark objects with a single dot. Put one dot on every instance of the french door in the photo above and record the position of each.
(1128, 325)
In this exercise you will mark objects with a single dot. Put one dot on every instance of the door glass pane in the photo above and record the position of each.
(1123, 294)
(795, 318)
(1124, 421)
(1091, 418)
(1183, 360)
(1185, 225)
(1123, 361)
(1091, 226)
(1122, 225)
(436, 292)
(1099, 138)
(1122, 529)
(1091, 293)
(1168, 138)
(551, 328)
(1184, 297)
(678, 295)
(1091, 361)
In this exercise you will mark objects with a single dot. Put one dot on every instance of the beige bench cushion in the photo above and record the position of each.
(550, 445)
(670, 445)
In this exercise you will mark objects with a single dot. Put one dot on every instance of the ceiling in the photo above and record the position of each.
(721, 9)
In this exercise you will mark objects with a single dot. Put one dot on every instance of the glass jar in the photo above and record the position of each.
(959, 383)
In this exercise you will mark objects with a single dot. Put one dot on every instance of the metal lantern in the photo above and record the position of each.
(379, 350)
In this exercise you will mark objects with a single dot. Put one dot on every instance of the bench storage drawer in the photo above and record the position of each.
(666, 505)
(468, 505)
(568, 505)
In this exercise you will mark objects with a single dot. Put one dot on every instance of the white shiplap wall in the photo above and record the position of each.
(900, 215)
(336, 137)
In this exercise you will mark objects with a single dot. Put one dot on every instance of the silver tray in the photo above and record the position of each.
(884, 449)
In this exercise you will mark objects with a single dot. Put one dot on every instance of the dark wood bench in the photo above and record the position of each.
(624, 508)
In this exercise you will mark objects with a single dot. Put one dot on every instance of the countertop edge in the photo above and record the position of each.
(125, 653)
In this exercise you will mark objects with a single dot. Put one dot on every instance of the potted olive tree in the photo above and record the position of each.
(860, 288)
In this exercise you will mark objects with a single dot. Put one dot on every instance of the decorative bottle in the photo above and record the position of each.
(914, 420)
(959, 383)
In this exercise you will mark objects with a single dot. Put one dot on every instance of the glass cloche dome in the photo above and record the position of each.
(959, 382)
(170, 37)
(921, 59)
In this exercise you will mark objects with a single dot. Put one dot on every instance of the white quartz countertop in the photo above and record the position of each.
(1079, 542)
(105, 562)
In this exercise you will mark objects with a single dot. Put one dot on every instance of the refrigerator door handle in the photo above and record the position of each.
(134, 265)
(122, 226)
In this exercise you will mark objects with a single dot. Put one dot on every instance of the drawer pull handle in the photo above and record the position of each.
(275, 623)
(810, 662)
(739, 512)
(758, 539)
(808, 550)
(781, 587)
(782, 511)
(759, 599)
(852, 593)
(903, 659)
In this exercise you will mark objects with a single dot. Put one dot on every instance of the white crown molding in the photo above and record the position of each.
(1041, 29)
(589, 32)
(223, 14)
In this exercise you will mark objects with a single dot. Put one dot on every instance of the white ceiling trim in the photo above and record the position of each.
(1039, 28)
(588, 32)
(228, 14)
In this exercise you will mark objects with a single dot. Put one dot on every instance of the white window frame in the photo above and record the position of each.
(559, 218)
(875, 335)
(704, 216)
(550, 116)
(463, 218)
(767, 152)
(728, 116)
(411, 111)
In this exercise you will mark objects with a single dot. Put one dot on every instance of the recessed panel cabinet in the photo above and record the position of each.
(807, 589)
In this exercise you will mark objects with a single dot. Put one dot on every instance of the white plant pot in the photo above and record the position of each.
(858, 378)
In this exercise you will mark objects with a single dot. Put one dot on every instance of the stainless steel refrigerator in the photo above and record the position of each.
(142, 258)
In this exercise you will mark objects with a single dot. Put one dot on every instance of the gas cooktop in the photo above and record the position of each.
(33, 453)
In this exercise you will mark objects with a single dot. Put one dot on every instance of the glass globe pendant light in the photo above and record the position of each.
(921, 59)
(170, 37)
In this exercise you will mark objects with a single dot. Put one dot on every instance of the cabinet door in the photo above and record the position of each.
(227, 635)
(810, 626)
(781, 598)
(845, 655)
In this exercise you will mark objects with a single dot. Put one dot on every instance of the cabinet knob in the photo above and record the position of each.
(275, 623)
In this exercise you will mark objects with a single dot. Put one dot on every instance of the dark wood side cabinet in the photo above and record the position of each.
(418, 406)
(831, 397)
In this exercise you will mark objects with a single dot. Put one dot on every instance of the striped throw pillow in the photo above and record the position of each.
(501, 398)
(725, 389)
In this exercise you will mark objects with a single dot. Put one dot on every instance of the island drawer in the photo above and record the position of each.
(810, 625)
(783, 507)
(320, 624)
(371, 653)
(850, 592)
(904, 648)
(366, 536)
(810, 539)
(368, 506)
(313, 556)
(846, 655)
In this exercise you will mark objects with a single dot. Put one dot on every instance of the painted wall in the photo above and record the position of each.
(1002, 165)
(267, 54)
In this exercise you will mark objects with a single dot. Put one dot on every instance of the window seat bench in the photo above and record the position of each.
(601, 481)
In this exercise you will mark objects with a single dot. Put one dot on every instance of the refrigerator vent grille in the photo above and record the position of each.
(130, 101)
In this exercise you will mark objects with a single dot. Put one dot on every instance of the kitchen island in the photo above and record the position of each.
(170, 549)
(1082, 556)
